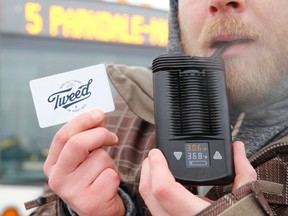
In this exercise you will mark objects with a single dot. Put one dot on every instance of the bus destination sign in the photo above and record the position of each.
(93, 21)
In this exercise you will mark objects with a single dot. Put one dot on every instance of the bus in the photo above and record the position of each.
(39, 38)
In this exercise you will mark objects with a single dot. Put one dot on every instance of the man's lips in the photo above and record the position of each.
(220, 46)
(221, 43)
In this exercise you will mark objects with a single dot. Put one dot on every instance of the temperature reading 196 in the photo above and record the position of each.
(197, 155)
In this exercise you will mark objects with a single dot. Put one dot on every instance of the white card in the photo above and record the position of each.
(59, 98)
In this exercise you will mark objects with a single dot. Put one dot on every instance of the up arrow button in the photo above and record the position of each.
(217, 156)
(178, 155)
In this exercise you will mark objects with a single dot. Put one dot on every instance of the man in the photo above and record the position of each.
(87, 178)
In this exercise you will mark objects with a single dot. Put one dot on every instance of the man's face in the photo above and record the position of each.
(253, 67)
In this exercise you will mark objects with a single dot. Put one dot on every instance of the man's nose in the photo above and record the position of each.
(226, 6)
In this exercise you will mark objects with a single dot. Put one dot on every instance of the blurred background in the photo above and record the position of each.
(45, 37)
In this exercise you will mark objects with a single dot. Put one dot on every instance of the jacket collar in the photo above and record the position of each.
(134, 84)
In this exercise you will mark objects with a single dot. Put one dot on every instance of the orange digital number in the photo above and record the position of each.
(34, 20)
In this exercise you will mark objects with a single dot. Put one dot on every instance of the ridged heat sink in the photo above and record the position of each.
(193, 105)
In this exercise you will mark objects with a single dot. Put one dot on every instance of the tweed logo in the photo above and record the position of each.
(70, 95)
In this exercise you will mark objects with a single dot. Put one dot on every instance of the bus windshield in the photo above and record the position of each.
(34, 45)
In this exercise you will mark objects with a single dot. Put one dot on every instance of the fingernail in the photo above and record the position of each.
(115, 138)
(96, 114)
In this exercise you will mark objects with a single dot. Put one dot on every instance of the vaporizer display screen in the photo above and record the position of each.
(197, 155)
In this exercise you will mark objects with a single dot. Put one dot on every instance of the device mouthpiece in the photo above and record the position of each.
(225, 44)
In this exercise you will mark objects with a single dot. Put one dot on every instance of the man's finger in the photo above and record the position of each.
(80, 123)
(145, 189)
(244, 171)
(99, 160)
(79, 147)
(170, 193)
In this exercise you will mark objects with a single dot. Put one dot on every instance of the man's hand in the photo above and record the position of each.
(164, 196)
(80, 171)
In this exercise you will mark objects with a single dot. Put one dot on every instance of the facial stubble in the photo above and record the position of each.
(250, 78)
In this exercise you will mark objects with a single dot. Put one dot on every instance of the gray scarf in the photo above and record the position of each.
(266, 122)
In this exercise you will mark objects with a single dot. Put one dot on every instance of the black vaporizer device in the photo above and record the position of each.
(192, 119)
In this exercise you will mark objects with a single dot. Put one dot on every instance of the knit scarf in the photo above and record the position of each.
(266, 122)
